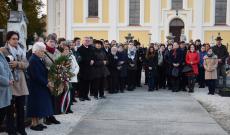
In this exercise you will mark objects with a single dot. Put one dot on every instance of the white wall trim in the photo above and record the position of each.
(216, 28)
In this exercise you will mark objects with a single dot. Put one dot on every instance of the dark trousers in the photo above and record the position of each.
(161, 77)
(16, 107)
(114, 83)
(201, 76)
(221, 71)
(146, 76)
(131, 79)
(175, 84)
(72, 94)
(3, 112)
(183, 82)
(151, 80)
(98, 85)
(191, 83)
(121, 84)
(84, 88)
(138, 76)
(211, 85)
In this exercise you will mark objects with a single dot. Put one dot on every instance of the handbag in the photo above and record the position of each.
(175, 72)
(187, 68)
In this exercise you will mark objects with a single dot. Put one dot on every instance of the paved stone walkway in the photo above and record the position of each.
(148, 113)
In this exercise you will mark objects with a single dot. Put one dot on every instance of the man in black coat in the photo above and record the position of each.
(85, 64)
(222, 53)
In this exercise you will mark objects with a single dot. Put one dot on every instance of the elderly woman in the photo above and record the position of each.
(51, 55)
(132, 66)
(39, 100)
(6, 79)
(18, 63)
(112, 66)
(210, 66)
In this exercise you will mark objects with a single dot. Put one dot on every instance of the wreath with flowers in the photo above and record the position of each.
(60, 75)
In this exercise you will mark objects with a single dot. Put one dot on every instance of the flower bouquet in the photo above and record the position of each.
(60, 75)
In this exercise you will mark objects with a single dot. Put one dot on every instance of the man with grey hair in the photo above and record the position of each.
(85, 73)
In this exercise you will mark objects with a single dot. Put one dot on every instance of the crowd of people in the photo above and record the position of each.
(97, 66)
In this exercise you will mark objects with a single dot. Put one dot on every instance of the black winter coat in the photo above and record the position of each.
(99, 68)
(152, 62)
(221, 52)
(86, 55)
(122, 57)
(113, 63)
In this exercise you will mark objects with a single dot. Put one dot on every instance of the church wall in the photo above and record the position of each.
(94, 34)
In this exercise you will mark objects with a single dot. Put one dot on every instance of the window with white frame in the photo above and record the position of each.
(177, 4)
(92, 8)
(221, 12)
(134, 12)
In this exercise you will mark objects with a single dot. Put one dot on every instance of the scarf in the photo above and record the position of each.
(174, 53)
(17, 52)
(50, 49)
(160, 58)
(210, 55)
(131, 53)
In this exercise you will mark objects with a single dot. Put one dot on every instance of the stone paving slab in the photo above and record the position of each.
(148, 113)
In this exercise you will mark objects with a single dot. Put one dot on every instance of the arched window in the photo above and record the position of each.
(221, 12)
(93, 8)
(177, 4)
(134, 12)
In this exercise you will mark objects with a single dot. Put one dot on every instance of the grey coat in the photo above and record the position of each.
(5, 77)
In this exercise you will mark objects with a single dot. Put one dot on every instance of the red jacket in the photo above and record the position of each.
(195, 59)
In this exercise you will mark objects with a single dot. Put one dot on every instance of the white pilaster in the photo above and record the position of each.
(100, 10)
(62, 18)
(228, 12)
(113, 19)
(142, 12)
(185, 4)
(213, 12)
(155, 20)
(198, 22)
(85, 10)
(127, 12)
(169, 4)
(69, 21)
(51, 16)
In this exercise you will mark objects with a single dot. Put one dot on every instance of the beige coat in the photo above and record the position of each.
(210, 66)
(19, 87)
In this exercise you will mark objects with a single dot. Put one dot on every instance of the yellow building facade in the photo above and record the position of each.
(195, 19)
